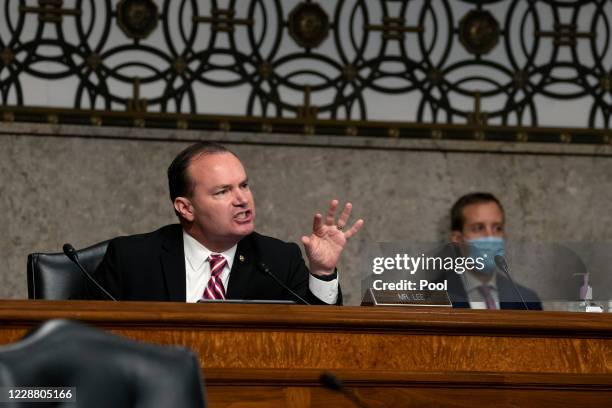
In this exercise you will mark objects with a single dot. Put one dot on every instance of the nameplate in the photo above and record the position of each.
(430, 298)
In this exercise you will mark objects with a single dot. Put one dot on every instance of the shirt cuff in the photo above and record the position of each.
(326, 291)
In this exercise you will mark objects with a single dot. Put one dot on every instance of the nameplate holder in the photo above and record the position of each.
(425, 298)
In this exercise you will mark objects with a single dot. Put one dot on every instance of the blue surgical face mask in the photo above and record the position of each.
(486, 248)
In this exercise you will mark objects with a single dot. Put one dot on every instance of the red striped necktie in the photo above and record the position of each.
(214, 289)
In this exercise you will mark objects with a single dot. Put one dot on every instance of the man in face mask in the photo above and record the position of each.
(477, 229)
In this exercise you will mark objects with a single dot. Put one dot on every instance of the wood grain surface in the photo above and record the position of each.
(272, 355)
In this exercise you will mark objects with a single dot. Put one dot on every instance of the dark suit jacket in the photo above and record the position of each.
(151, 267)
(508, 298)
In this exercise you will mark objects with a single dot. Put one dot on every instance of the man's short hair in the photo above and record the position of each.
(456, 213)
(179, 182)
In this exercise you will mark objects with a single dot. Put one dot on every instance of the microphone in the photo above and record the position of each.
(502, 264)
(332, 382)
(265, 269)
(71, 253)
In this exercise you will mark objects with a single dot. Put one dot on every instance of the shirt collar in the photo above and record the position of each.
(472, 283)
(196, 253)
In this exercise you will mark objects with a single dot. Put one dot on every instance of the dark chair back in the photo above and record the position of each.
(54, 276)
(105, 370)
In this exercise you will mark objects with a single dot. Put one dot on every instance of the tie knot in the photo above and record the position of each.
(217, 262)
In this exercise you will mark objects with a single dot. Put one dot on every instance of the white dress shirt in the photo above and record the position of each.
(197, 267)
(197, 272)
(471, 284)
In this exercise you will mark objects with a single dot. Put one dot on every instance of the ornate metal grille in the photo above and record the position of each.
(475, 63)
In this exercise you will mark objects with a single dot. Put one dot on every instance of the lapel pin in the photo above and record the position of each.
(241, 258)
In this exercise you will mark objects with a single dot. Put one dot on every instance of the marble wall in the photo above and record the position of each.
(83, 185)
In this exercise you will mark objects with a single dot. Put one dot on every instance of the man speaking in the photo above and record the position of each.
(214, 253)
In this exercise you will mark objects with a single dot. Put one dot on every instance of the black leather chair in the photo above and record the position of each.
(106, 370)
(54, 276)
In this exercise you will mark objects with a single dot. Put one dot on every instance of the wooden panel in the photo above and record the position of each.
(272, 355)
(361, 319)
(404, 389)
(274, 397)
(422, 352)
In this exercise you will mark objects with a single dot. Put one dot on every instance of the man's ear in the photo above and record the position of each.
(456, 237)
(183, 206)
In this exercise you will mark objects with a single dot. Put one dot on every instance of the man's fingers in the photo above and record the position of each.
(305, 240)
(330, 221)
(316, 223)
(331, 212)
(346, 213)
(356, 227)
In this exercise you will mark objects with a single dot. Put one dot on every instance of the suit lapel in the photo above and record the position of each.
(508, 299)
(456, 291)
(242, 269)
(506, 291)
(173, 264)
